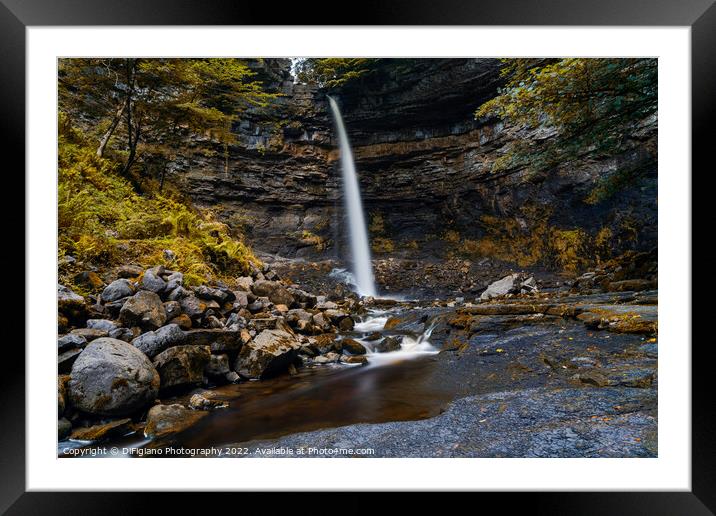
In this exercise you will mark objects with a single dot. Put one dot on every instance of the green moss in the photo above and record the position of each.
(569, 248)
(382, 245)
(103, 220)
(318, 242)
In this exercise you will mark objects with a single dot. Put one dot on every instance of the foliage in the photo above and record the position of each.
(589, 103)
(333, 72)
(157, 100)
(103, 221)
(382, 245)
(540, 243)
(318, 242)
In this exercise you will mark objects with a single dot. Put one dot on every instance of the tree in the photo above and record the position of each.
(158, 99)
(591, 103)
(333, 72)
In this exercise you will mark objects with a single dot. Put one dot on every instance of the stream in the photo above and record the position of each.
(393, 386)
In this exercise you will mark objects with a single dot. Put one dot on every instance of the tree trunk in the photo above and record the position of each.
(107, 135)
(161, 178)
(133, 148)
(133, 127)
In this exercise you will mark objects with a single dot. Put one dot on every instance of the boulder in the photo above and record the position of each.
(346, 324)
(512, 284)
(154, 342)
(129, 271)
(328, 358)
(71, 305)
(116, 428)
(174, 280)
(172, 309)
(143, 309)
(242, 299)
(66, 359)
(232, 377)
(214, 322)
(218, 365)
(322, 322)
(215, 294)
(101, 324)
(326, 305)
(90, 334)
(275, 291)
(90, 280)
(387, 344)
(354, 359)
(182, 365)
(164, 420)
(271, 352)
(296, 315)
(64, 428)
(70, 341)
(305, 299)
(205, 401)
(263, 323)
(62, 393)
(220, 340)
(235, 322)
(125, 334)
(112, 378)
(67, 299)
(183, 321)
(322, 344)
(353, 347)
(193, 307)
(117, 290)
(153, 282)
(178, 293)
(244, 283)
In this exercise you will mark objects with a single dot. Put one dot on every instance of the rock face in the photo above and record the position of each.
(271, 352)
(416, 142)
(144, 309)
(182, 365)
(111, 377)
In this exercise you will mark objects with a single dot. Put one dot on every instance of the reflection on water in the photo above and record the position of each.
(320, 398)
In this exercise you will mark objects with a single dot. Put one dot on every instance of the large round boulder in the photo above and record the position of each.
(112, 378)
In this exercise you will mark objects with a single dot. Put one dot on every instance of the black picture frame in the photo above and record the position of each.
(700, 15)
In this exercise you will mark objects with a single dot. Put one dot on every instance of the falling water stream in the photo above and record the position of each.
(334, 395)
(359, 246)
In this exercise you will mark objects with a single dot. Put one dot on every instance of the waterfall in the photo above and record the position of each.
(360, 249)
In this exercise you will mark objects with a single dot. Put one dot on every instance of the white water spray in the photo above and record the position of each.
(360, 249)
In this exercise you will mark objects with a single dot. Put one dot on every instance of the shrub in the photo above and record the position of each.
(103, 220)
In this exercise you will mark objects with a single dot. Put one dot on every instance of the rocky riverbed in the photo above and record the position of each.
(529, 365)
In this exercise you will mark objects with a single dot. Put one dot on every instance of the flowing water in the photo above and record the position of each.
(394, 386)
(358, 234)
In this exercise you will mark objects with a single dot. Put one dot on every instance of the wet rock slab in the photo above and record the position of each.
(607, 422)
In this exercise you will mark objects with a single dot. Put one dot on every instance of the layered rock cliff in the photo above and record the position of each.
(436, 182)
